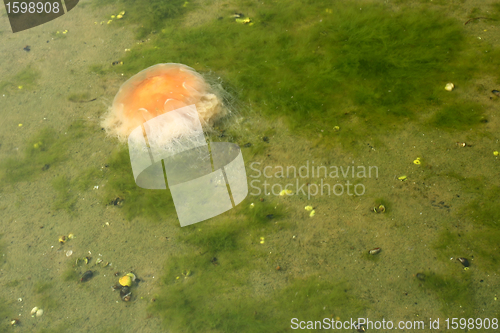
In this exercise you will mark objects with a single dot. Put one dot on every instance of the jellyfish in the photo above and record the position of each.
(157, 90)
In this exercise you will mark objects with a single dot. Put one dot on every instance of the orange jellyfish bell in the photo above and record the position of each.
(157, 90)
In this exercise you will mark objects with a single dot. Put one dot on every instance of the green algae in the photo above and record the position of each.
(25, 79)
(454, 291)
(476, 239)
(154, 205)
(151, 15)
(216, 297)
(79, 97)
(386, 68)
(42, 152)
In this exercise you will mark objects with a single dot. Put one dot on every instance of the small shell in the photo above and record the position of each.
(464, 262)
(375, 251)
(449, 87)
(69, 253)
(34, 310)
(125, 281)
(39, 313)
(125, 294)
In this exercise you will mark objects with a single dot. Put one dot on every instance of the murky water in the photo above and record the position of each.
(332, 245)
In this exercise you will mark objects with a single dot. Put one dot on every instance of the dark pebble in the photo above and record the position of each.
(46, 167)
(246, 145)
(496, 92)
(270, 216)
(27, 48)
(421, 276)
(265, 139)
(87, 276)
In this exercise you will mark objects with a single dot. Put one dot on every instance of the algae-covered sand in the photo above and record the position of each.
(324, 97)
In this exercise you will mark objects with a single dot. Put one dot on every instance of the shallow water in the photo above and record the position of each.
(332, 246)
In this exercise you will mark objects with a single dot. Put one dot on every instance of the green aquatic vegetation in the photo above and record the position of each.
(477, 245)
(257, 148)
(477, 239)
(258, 214)
(42, 152)
(70, 274)
(484, 210)
(209, 286)
(79, 97)
(42, 287)
(473, 185)
(226, 232)
(454, 291)
(68, 189)
(155, 205)
(491, 14)
(458, 116)
(27, 78)
(111, 330)
(383, 67)
(44, 292)
(2, 251)
(98, 69)
(219, 298)
(151, 15)
(212, 240)
(65, 199)
(13, 283)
